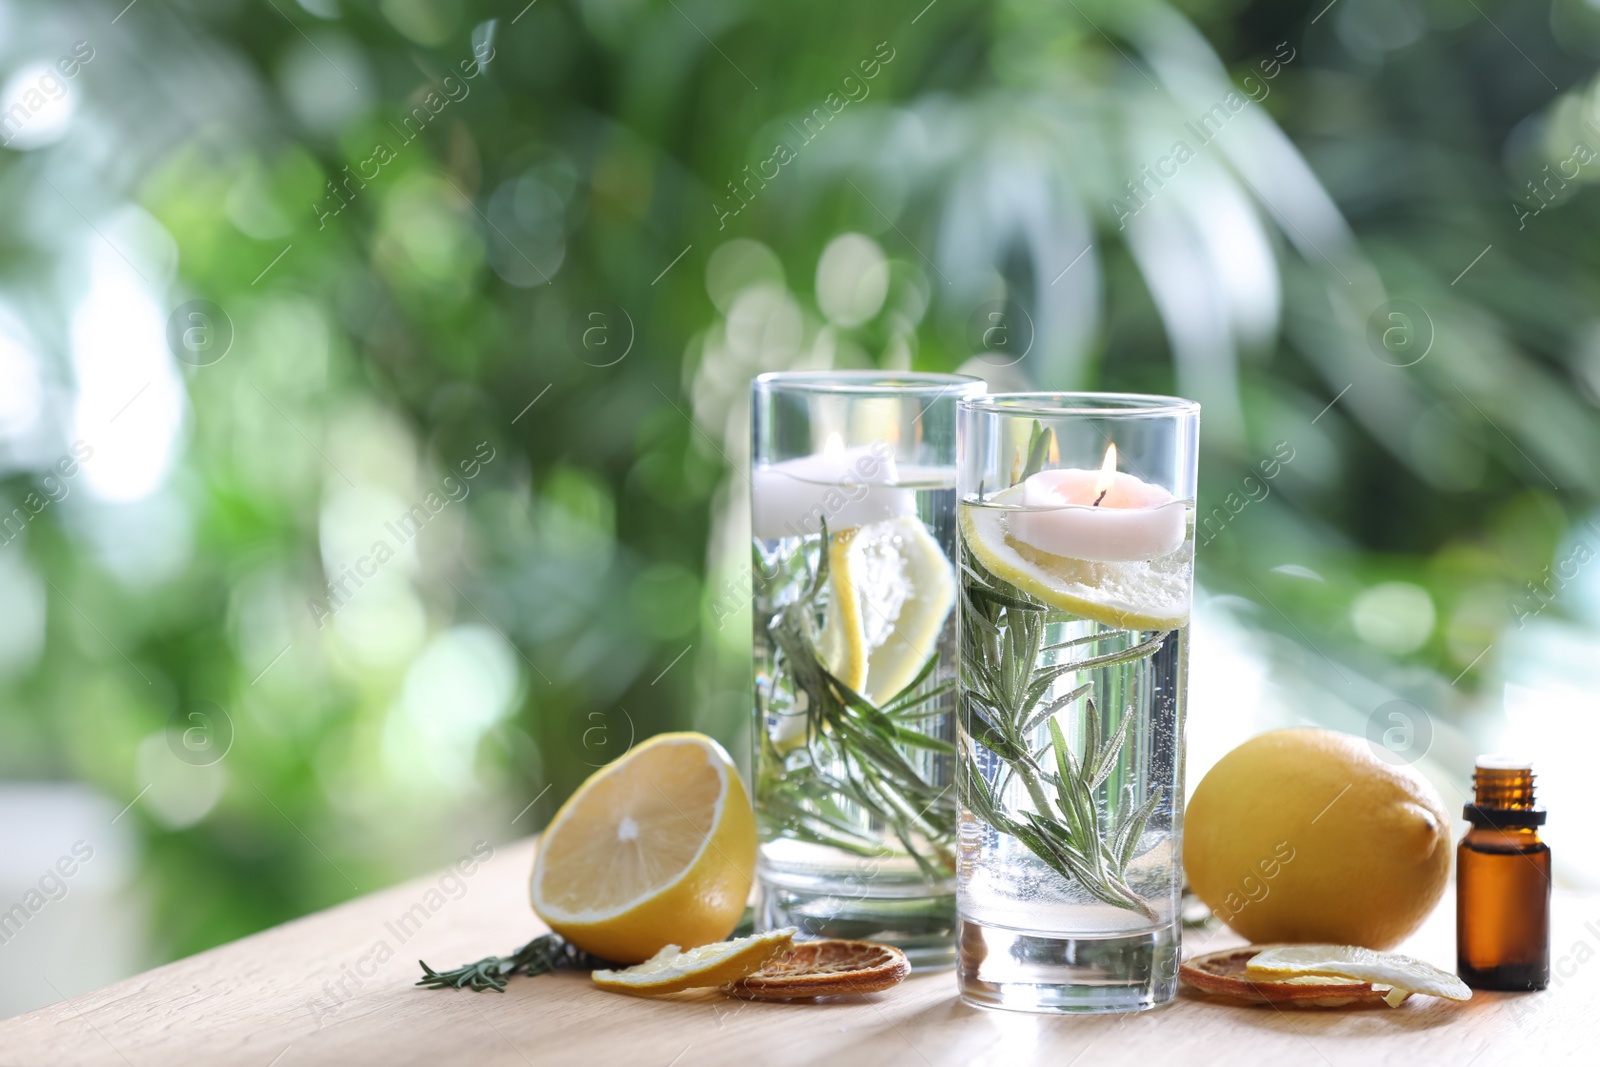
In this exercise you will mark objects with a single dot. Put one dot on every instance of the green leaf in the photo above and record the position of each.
(908, 710)
(1003, 600)
(821, 579)
(1132, 829)
(1143, 649)
(545, 953)
(1106, 757)
(1091, 739)
(1104, 635)
(908, 690)
(1038, 449)
(1054, 706)
(1064, 770)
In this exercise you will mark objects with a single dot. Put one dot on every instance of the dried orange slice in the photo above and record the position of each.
(1223, 974)
(825, 969)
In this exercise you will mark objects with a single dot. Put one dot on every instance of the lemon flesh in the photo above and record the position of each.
(657, 848)
(1132, 595)
(890, 590)
(1402, 974)
(673, 969)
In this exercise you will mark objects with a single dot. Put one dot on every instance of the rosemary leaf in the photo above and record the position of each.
(1133, 828)
(1037, 718)
(821, 578)
(1106, 758)
(1148, 647)
(1104, 635)
(909, 690)
(908, 710)
(1039, 442)
(822, 827)
(1065, 769)
(1001, 599)
(546, 953)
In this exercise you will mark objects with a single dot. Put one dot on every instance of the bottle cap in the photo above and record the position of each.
(1505, 763)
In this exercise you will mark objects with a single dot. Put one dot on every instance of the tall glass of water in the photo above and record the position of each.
(853, 499)
(1076, 525)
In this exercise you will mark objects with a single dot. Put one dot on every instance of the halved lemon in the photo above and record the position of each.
(672, 969)
(1402, 974)
(890, 590)
(657, 848)
(1134, 595)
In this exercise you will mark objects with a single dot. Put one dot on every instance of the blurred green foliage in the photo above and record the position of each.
(398, 299)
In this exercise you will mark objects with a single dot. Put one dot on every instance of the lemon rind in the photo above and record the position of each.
(844, 614)
(844, 648)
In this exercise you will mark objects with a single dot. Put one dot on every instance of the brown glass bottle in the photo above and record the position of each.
(1503, 883)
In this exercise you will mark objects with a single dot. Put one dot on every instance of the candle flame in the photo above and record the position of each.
(1108, 473)
(833, 444)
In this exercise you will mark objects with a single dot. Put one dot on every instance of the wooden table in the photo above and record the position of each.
(336, 988)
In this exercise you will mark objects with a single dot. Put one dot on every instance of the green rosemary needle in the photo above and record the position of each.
(545, 953)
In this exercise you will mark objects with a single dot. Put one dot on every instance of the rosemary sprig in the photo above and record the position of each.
(1004, 705)
(1039, 442)
(854, 750)
(546, 953)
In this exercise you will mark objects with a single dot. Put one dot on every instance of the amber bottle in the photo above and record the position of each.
(1503, 883)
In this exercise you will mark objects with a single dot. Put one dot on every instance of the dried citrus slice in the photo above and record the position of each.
(890, 590)
(657, 848)
(672, 969)
(1133, 595)
(1223, 974)
(825, 969)
(1402, 974)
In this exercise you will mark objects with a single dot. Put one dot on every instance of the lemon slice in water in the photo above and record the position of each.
(890, 590)
(1133, 595)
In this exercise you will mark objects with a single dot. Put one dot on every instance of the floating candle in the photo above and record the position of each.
(1105, 516)
(846, 487)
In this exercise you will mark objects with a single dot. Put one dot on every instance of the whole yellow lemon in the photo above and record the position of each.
(1306, 835)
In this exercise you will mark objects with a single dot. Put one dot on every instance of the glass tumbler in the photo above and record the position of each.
(1076, 528)
(853, 495)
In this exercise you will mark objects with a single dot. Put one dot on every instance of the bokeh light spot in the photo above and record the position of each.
(1397, 617)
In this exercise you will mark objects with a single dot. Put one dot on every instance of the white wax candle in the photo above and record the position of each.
(1106, 515)
(847, 487)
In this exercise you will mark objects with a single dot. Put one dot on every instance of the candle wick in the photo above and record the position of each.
(1101, 497)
